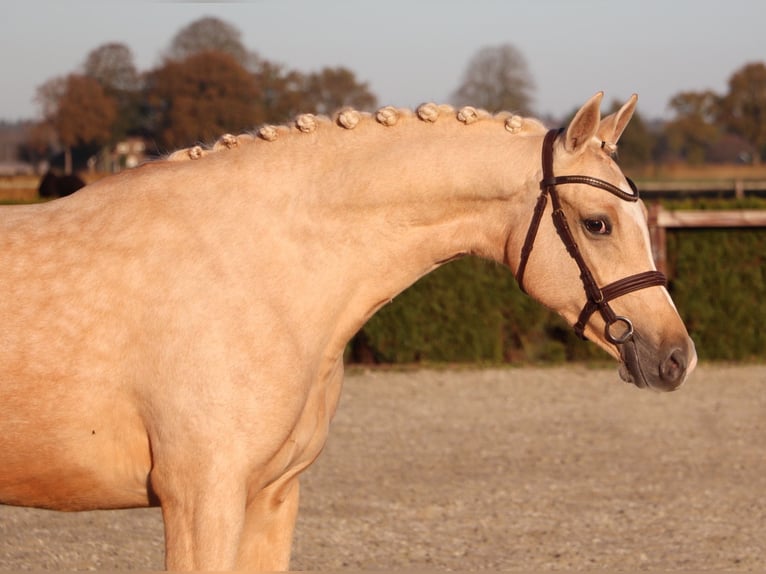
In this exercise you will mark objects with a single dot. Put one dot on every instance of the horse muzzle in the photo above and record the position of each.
(663, 368)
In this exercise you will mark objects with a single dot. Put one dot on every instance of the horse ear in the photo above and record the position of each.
(612, 126)
(584, 125)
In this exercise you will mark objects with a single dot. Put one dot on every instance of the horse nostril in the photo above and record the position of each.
(673, 368)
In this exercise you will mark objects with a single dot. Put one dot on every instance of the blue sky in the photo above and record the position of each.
(411, 51)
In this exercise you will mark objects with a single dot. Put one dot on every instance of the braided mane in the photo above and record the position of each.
(349, 118)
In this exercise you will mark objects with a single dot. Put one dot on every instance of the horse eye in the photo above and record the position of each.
(598, 226)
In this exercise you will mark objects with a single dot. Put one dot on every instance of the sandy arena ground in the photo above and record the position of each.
(535, 468)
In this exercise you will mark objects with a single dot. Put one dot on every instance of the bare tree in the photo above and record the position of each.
(211, 34)
(113, 67)
(49, 95)
(497, 78)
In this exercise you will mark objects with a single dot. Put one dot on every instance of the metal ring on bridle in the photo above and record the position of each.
(624, 337)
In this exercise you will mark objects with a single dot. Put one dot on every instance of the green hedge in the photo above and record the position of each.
(719, 286)
(473, 311)
(718, 282)
(469, 311)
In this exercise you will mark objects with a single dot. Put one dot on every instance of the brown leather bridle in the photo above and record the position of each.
(597, 297)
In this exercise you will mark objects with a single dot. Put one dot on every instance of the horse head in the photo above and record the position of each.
(593, 262)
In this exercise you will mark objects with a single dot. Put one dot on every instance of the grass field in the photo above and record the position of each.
(18, 189)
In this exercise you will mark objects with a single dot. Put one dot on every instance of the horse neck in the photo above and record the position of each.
(375, 208)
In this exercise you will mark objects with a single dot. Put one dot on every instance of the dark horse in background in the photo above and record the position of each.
(53, 185)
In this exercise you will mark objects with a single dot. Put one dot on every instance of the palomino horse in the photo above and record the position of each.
(174, 334)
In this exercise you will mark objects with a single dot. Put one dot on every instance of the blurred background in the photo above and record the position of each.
(92, 88)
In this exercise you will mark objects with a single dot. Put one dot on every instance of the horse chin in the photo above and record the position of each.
(624, 372)
(630, 368)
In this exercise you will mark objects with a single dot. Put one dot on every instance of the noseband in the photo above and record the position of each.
(598, 297)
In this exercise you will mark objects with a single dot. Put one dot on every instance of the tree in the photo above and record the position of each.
(497, 78)
(202, 97)
(112, 66)
(210, 34)
(79, 111)
(49, 95)
(285, 93)
(39, 143)
(694, 128)
(743, 109)
(333, 88)
(281, 92)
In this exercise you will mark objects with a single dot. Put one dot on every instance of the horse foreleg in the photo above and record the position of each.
(204, 519)
(268, 533)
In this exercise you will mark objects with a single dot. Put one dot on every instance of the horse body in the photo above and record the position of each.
(175, 333)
